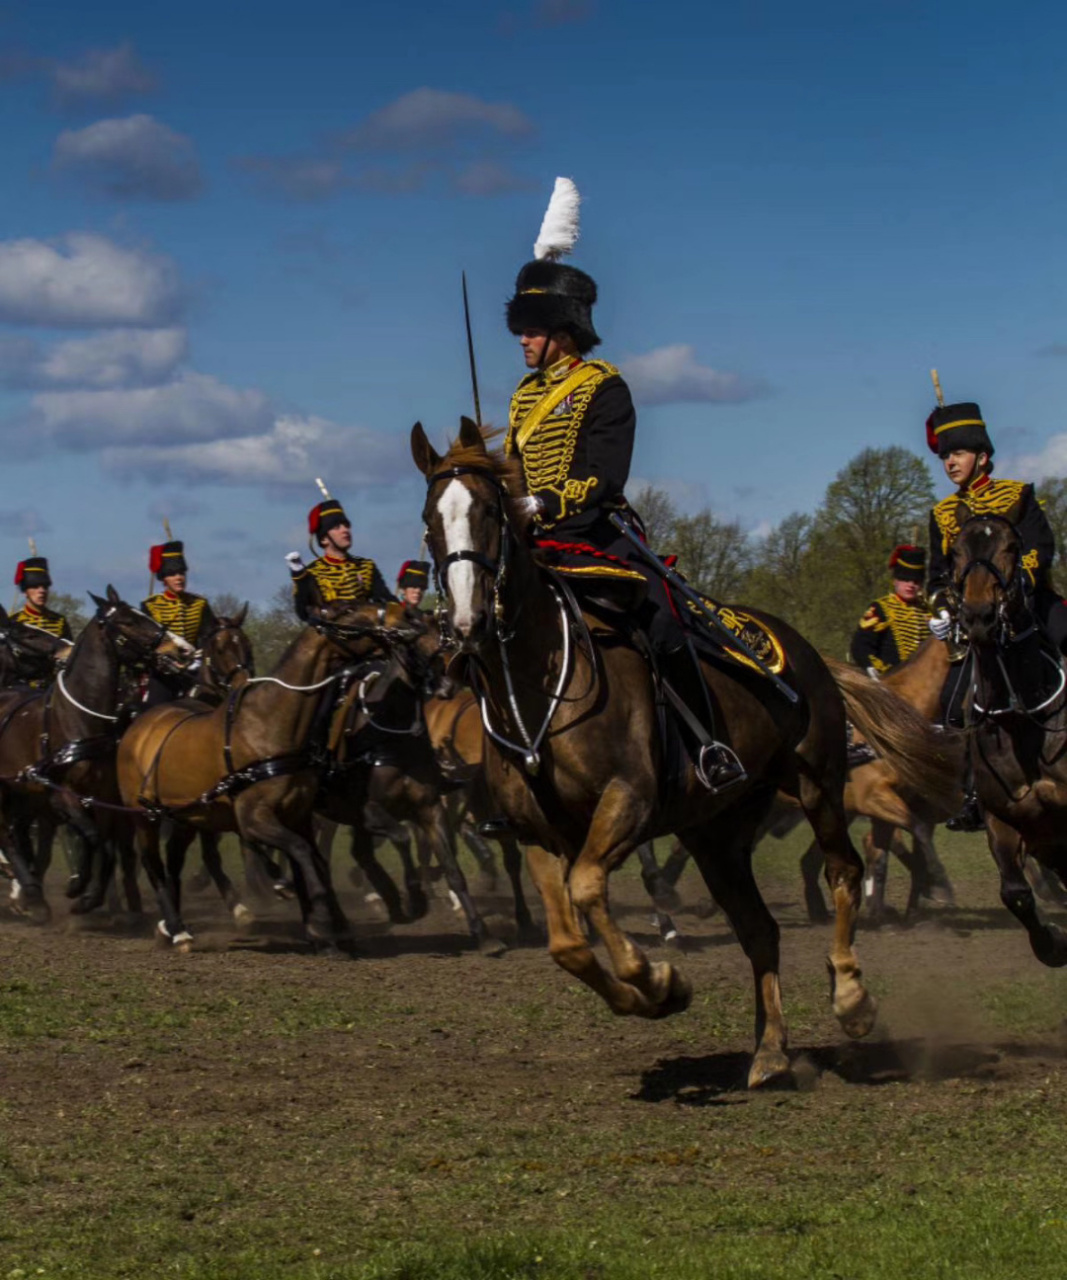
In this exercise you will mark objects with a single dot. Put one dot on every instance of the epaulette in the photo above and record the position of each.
(874, 619)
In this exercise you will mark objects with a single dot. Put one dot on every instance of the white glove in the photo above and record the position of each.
(874, 673)
(941, 625)
(529, 506)
(296, 565)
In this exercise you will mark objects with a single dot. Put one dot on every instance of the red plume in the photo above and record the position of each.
(931, 434)
(403, 570)
(155, 559)
(313, 519)
(20, 573)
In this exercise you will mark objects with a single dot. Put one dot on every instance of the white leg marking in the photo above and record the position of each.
(454, 508)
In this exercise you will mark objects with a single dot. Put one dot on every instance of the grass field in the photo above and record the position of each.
(250, 1111)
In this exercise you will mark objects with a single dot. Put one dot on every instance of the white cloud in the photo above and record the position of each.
(300, 178)
(101, 75)
(673, 375)
(1048, 464)
(194, 408)
(488, 178)
(435, 118)
(86, 281)
(114, 358)
(131, 158)
(23, 522)
(290, 453)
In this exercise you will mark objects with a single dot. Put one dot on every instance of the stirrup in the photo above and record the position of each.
(969, 817)
(718, 767)
(492, 827)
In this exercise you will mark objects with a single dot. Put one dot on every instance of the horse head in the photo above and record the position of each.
(227, 653)
(366, 630)
(137, 639)
(987, 576)
(466, 519)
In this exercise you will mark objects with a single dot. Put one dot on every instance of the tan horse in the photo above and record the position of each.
(247, 766)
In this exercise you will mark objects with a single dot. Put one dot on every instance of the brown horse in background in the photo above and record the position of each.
(578, 770)
(248, 766)
(1017, 720)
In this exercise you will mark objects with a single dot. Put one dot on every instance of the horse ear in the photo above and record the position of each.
(470, 434)
(242, 613)
(113, 596)
(99, 601)
(426, 456)
(4, 619)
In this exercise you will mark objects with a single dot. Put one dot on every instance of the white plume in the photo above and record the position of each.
(559, 230)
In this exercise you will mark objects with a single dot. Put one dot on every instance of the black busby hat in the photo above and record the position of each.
(325, 516)
(548, 294)
(957, 426)
(908, 563)
(167, 558)
(414, 573)
(32, 573)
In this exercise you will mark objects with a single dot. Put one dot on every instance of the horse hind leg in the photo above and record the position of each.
(663, 894)
(212, 859)
(877, 842)
(811, 863)
(527, 931)
(1047, 941)
(436, 828)
(723, 852)
(853, 1005)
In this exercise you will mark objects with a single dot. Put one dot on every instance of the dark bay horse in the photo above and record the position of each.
(57, 745)
(28, 654)
(1017, 711)
(250, 766)
(576, 762)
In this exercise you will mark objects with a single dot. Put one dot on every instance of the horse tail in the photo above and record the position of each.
(926, 762)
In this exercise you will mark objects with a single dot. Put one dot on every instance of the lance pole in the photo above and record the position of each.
(33, 546)
(937, 388)
(684, 589)
(322, 488)
(470, 354)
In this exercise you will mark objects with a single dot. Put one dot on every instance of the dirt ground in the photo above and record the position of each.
(251, 1110)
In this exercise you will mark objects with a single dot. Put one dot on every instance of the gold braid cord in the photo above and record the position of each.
(994, 499)
(181, 615)
(906, 623)
(350, 579)
(48, 621)
(548, 452)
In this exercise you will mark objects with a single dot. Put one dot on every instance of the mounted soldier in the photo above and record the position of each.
(895, 624)
(34, 581)
(411, 582)
(958, 434)
(572, 424)
(187, 615)
(336, 574)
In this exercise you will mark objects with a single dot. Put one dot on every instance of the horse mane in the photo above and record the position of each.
(507, 470)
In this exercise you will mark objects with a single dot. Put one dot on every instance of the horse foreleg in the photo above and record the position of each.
(876, 845)
(435, 827)
(171, 930)
(653, 990)
(27, 897)
(1048, 941)
(528, 933)
(209, 851)
(363, 855)
(811, 863)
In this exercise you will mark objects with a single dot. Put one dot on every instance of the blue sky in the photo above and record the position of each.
(231, 239)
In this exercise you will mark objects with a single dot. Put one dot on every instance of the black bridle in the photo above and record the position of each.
(1009, 588)
(225, 680)
(496, 569)
(133, 651)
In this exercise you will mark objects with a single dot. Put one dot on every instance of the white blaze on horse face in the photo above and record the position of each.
(455, 511)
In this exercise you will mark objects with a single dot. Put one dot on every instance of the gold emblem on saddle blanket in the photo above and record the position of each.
(752, 633)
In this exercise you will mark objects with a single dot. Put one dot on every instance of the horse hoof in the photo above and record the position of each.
(672, 990)
(377, 910)
(454, 902)
(83, 906)
(705, 908)
(491, 947)
(418, 904)
(284, 890)
(1050, 946)
(38, 912)
(183, 942)
(771, 1070)
(673, 939)
(858, 1020)
(242, 917)
(75, 887)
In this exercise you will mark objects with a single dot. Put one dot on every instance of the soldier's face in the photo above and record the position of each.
(908, 591)
(37, 596)
(962, 465)
(543, 349)
(339, 538)
(174, 583)
(411, 595)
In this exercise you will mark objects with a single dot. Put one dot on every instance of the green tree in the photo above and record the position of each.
(713, 554)
(72, 608)
(658, 515)
(1053, 496)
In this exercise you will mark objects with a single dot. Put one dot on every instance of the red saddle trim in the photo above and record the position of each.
(581, 549)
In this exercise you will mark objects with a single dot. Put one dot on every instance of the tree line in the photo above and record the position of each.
(819, 570)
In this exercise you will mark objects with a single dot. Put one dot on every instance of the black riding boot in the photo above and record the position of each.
(717, 765)
(969, 817)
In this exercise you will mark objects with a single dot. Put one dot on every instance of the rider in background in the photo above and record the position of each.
(187, 615)
(958, 435)
(411, 582)
(895, 624)
(33, 580)
(335, 575)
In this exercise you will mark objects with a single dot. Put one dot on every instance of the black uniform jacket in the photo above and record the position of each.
(572, 426)
(889, 633)
(326, 579)
(187, 615)
(47, 619)
(1009, 498)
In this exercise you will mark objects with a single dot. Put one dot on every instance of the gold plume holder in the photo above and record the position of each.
(937, 388)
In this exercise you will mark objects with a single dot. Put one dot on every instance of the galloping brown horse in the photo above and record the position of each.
(576, 762)
(1017, 710)
(247, 766)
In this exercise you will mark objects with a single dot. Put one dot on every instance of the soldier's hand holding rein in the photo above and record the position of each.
(296, 565)
(941, 625)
